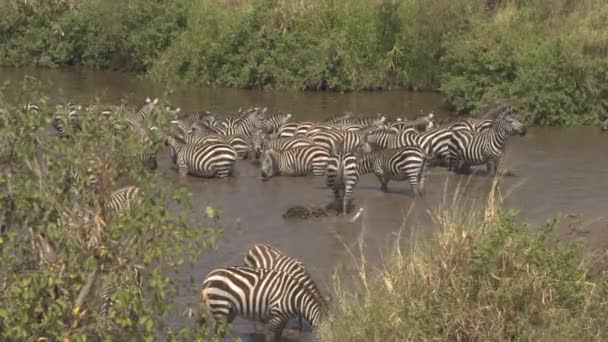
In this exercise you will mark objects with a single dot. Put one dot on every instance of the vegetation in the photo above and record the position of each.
(58, 242)
(483, 277)
(549, 55)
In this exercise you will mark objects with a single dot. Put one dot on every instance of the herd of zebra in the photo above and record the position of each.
(272, 287)
(342, 148)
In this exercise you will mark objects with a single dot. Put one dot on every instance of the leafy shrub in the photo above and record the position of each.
(56, 237)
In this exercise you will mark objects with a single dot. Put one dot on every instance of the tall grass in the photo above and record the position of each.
(484, 276)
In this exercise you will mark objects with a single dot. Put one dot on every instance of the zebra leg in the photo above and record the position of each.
(491, 167)
(274, 328)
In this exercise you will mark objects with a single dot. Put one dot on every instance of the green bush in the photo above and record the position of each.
(56, 237)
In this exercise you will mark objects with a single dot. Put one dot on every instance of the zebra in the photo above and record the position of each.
(486, 147)
(193, 122)
(282, 144)
(339, 117)
(364, 121)
(204, 160)
(267, 257)
(135, 119)
(121, 199)
(60, 120)
(246, 123)
(290, 129)
(263, 295)
(31, 107)
(342, 176)
(147, 153)
(396, 164)
(299, 161)
(110, 281)
(271, 124)
(341, 141)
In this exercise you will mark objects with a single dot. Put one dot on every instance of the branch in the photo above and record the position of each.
(84, 292)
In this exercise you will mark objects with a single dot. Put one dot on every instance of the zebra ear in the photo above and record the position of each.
(288, 116)
(155, 101)
(148, 100)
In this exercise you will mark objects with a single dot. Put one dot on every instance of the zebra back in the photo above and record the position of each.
(267, 257)
(121, 199)
(299, 161)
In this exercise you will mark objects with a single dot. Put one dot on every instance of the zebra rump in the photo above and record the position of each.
(342, 176)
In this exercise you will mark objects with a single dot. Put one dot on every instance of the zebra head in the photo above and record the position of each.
(173, 112)
(507, 120)
(605, 123)
(269, 168)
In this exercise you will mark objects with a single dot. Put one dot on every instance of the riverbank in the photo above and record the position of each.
(548, 55)
(483, 276)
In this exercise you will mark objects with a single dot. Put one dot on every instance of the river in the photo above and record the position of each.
(551, 171)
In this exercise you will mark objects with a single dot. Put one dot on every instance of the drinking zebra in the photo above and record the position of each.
(298, 161)
(203, 160)
(342, 176)
(486, 147)
(267, 257)
(137, 118)
(406, 163)
(262, 295)
(246, 123)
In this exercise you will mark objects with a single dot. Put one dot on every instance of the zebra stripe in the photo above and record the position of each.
(204, 160)
(267, 257)
(406, 163)
(271, 124)
(31, 107)
(486, 147)
(282, 144)
(342, 176)
(260, 294)
(137, 118)
(121, 199)
(298, 161)
(105, 285)
(72, 120)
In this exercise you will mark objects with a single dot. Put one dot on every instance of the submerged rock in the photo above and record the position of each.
(303, 212)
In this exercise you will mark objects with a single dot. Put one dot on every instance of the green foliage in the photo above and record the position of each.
(475, 281)
(548, 55)
(55, 236)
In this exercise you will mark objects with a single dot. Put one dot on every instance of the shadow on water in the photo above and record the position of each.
(549, 171)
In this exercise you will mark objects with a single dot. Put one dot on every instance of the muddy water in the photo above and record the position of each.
(551, 171)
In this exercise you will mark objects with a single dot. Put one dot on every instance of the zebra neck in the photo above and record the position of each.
(365, 163)
(500, 135)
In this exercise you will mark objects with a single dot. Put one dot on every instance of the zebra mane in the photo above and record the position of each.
(496, 109)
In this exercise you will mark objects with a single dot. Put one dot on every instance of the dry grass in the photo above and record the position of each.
(483, 277)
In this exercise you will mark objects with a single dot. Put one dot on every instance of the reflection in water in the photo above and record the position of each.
(553, 170)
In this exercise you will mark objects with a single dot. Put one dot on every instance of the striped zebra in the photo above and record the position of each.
(242, 144)
(246, 123)
(282, 144)
(341, 141)
(203, 160)
(107, 283)
(299, 161)
(605, 123)
(121, 199)
(364, 121)
(271, 124)
(267, 257)
(31, 107)
(342, 176)
(406, 163)
(193, 122)
(137, 118)
(290, 129)
(264, 295)
(486, 147)
(339, 117)
(66, 115)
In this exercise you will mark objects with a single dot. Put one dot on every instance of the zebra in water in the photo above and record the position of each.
(342, 141)
(342, 176)
(292, 129)
(486, 147)
(203, 160)
(137, 118)
(121, 199)
(264, 295)
(66, 115)
(406, 163)
(267, 257)
(299, 161)
(247, 123)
